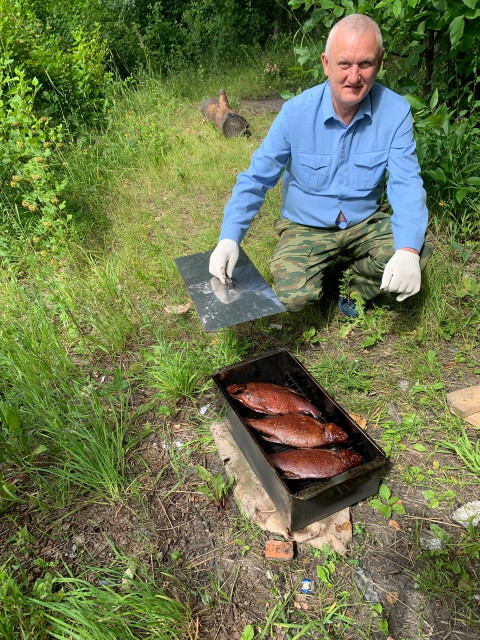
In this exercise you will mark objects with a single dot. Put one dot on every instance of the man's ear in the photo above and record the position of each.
(380, 59)
(325, 64)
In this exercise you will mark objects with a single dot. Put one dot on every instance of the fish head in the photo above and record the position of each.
(350, 457)
(334, 433)
(236, 389)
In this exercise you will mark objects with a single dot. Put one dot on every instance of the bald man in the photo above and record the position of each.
(336, 143)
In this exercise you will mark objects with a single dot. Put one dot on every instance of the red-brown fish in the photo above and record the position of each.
(296, 430)
(265, 397)
(303, 464)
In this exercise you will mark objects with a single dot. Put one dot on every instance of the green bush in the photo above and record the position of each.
(449, 153)
(30, 197)
(72, 74)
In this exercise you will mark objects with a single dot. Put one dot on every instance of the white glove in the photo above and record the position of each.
(402, 274)
(223, 259)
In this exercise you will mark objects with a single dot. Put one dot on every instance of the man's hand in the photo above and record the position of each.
(402, 274)
(223, 259)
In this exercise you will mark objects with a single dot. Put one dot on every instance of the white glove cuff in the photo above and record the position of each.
(408, 257)
(228, 245)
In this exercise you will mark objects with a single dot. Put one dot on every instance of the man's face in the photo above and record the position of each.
(351, 67)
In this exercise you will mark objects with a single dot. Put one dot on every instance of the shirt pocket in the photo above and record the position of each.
(369, 168)
(313, 171)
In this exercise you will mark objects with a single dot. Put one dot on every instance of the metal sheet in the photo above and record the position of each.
(246, 297)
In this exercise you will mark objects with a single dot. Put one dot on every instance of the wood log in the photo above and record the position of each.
(218, 111)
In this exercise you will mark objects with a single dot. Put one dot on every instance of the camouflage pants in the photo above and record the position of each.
(303, 253)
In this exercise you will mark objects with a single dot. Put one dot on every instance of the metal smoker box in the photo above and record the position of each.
(300, 501)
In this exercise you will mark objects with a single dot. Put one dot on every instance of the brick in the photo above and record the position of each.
(465, 402)
(474, 419)
(279, 550)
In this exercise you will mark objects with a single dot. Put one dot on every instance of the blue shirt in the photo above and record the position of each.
(331, 167)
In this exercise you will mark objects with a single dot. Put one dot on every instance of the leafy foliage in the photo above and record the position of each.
(27, 143)
(71, 73)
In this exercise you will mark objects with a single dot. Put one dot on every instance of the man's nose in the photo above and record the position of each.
(354, 74)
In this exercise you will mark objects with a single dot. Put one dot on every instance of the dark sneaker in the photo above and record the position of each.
(347, 307)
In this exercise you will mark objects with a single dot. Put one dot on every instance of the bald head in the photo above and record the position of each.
(356, 23)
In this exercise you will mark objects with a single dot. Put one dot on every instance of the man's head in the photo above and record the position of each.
(353, 56)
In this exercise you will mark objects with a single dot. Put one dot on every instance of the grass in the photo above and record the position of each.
(123, 601)
(95, 368)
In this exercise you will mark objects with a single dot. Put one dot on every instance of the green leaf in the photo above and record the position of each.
(471, 4)
(331, 567)
(383, 626)
(384, 492)
(206, 492)
(398, 508)
(41, 449)
(338, 11)
(323, 573)
(375, 503)
(397, 8)
(385, 510)
(433, 504)
(473, 180)
(441, 174)
(368, 342)
(434, 99)
(415, 101)
(456, 29)
(419, 447)
(203, 473)
(429, 494)
(439, 532)
(248, 633)
(460, 195)
(313, 20)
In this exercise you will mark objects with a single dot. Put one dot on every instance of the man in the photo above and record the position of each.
(336, 141)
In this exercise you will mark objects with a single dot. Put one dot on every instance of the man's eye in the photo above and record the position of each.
(365, 65)
(343, 65)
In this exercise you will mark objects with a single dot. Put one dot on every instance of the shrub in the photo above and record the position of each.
(30, 194)
(72, 76)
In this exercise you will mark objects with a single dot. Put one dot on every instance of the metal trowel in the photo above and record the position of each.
(245, 296)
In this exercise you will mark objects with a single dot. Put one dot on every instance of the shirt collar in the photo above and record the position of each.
(364, 108)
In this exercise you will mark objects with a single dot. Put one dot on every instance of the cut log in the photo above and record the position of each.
(218, 111)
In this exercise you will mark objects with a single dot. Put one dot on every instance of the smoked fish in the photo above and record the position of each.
(265, 397)
(303, 464)
(296, 430)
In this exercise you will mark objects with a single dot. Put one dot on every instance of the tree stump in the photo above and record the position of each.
(218, 111)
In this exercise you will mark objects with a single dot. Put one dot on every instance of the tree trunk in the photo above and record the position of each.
(230, 122)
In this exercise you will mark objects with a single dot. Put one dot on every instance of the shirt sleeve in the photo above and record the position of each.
(266, 166)
(405, 190)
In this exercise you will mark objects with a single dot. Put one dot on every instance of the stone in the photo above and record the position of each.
(432, 544)
(474, 419)
(365, 584)
(464, 402)
(468, 513)
(334, 530)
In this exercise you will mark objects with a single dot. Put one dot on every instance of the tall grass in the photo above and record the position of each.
(123, 601)
(55, 423)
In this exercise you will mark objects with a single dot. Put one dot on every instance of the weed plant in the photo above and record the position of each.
(451, 575)
(55, 424)
(118, 602)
